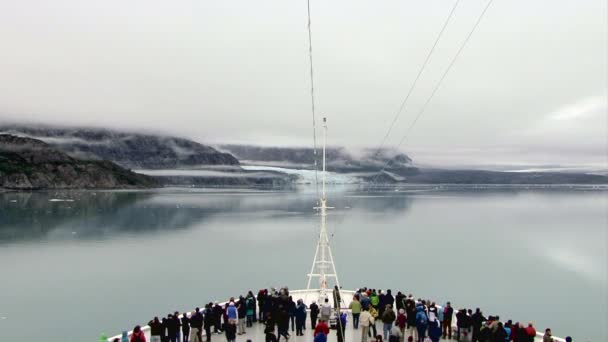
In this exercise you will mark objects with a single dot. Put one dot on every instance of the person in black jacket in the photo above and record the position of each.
(242, 314)
(477, 320)
(462, 322)
(196, 326)
(291, 309)
(155, 329)
(500, 335)
(400, 301)
(208, 320)
(261, 304)
(314, 313)
(163, 331)
(185, 328)
(230, 331)
(172, 328)
(218, 312)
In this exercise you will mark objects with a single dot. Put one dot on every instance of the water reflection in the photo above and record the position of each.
(108, 214)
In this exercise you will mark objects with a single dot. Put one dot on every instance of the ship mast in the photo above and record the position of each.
(323, 266)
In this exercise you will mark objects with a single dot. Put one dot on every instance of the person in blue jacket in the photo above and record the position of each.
(300, 314)
(422, 323)
(434, 328)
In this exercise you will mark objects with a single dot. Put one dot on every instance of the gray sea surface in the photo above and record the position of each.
(76, 264)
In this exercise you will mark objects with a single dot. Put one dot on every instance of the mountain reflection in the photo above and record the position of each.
(93, 215)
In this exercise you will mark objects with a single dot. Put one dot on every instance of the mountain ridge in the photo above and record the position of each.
(30, 164)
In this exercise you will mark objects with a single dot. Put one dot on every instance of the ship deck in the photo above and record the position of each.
(256, 332)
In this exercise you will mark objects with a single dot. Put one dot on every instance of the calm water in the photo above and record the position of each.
(110, 260)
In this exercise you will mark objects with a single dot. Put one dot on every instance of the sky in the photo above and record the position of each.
(530, 87)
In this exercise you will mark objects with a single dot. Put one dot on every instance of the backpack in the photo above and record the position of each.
(326, 310)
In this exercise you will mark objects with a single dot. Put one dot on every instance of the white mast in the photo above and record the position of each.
(323, 261)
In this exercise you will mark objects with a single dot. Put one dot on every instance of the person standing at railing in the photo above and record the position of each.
(241, 313)
(477, 320)
(185, 327)
(196, 325)
(138, 335)
(250, 309)
(155, 330)
(547, 337)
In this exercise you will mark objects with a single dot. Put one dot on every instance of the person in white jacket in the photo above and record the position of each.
(365, 320)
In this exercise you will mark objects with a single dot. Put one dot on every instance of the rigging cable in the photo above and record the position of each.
(409, 93)
(426, 103)
(312, 100)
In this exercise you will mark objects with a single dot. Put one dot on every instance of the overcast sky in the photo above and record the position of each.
(530, 87)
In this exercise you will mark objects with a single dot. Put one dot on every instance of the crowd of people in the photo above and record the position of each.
(402, 318)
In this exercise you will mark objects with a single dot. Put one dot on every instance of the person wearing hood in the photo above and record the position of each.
(434, 328)
(124, 337)
(138, 335)
(422, 322)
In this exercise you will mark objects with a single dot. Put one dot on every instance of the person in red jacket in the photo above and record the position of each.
(138, 335)
(321, 327)
(531, 331)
